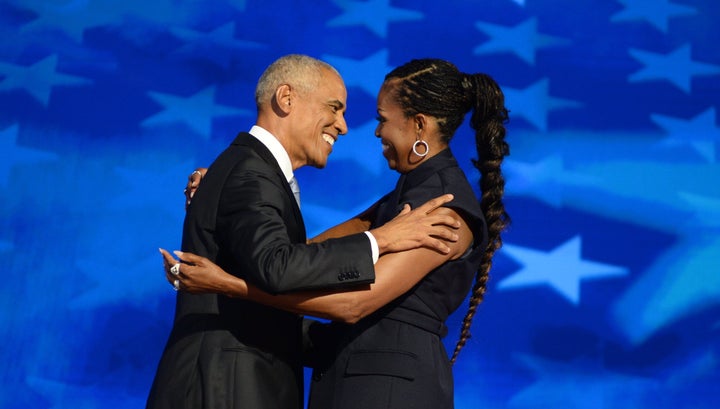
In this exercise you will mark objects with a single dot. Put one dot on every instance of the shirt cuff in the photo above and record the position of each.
(374, 247)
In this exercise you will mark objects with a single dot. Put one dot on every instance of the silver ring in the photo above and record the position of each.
(175, 269)
(196, 171)
(176, 285)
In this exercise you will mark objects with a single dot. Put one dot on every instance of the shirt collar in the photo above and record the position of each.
(276, 148)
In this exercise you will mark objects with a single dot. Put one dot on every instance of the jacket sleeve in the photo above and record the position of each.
(256, 218)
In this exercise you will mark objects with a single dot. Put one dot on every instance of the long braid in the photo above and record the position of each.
(488, 118)
(437, 88)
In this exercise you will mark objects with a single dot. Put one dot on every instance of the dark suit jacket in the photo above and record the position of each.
(229, 353)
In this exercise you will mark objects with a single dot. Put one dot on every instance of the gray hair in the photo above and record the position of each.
(299, 71)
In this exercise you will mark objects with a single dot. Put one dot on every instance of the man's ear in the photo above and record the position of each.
(284, 97)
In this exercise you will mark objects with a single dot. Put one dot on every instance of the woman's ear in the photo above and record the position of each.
(420, 122)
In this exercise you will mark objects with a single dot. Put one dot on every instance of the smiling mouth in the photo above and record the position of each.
(329, 139)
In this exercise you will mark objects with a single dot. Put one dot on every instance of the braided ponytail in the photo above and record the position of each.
(436, 87)
(488, 118)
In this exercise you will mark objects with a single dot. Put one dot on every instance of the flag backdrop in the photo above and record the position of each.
(605, 295)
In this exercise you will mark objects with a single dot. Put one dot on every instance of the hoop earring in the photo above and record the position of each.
(421, 142)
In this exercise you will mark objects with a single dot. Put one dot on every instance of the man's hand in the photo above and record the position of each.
(192, 184)
(412, 229)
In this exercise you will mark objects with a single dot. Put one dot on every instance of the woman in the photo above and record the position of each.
(392, 356)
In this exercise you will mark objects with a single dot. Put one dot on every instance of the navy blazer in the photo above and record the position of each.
(230, 353)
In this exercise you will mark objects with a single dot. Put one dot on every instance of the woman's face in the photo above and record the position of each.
(396, 132)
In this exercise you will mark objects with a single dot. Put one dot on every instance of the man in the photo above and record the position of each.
(229, 353)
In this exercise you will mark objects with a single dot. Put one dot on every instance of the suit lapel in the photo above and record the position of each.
(247, 139)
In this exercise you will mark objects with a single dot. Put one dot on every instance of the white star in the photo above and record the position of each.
(76, 16)
(373, 14)
(197, 111)
(534, 102)
(222, 36)
(37, 79)
(367, 74)
(656, 12)
(562, 268)
(522, 40)
(676, 67)
(546, 180)
(700, 131)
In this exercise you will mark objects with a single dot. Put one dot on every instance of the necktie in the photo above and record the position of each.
(295, 189)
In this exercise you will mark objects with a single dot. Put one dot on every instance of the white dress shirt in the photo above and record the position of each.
(283, 160)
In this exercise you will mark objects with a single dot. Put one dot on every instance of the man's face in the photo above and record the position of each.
(319, 120)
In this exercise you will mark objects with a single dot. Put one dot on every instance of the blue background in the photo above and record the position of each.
(606, 294)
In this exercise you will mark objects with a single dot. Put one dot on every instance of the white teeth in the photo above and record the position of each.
(329, 139)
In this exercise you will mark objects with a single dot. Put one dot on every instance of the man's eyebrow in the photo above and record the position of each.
(337, 103)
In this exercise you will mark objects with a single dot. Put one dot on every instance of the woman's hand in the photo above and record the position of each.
(193, 182)
(198, 275)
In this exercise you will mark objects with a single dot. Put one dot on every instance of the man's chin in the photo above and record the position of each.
(319, 165)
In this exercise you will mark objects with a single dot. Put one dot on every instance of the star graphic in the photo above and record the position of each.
(373, 14)
(223, 35)
(534, 102)
(37, 79)
(522, 40)
(562, 268)
(196, 111)
(221, 40)
(656, 12)
(546, 180)
(367, 74)
(700, 131)
(676, 67)
(75, 17)
(17, 155)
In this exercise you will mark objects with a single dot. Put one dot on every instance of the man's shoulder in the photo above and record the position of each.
(245, 151)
